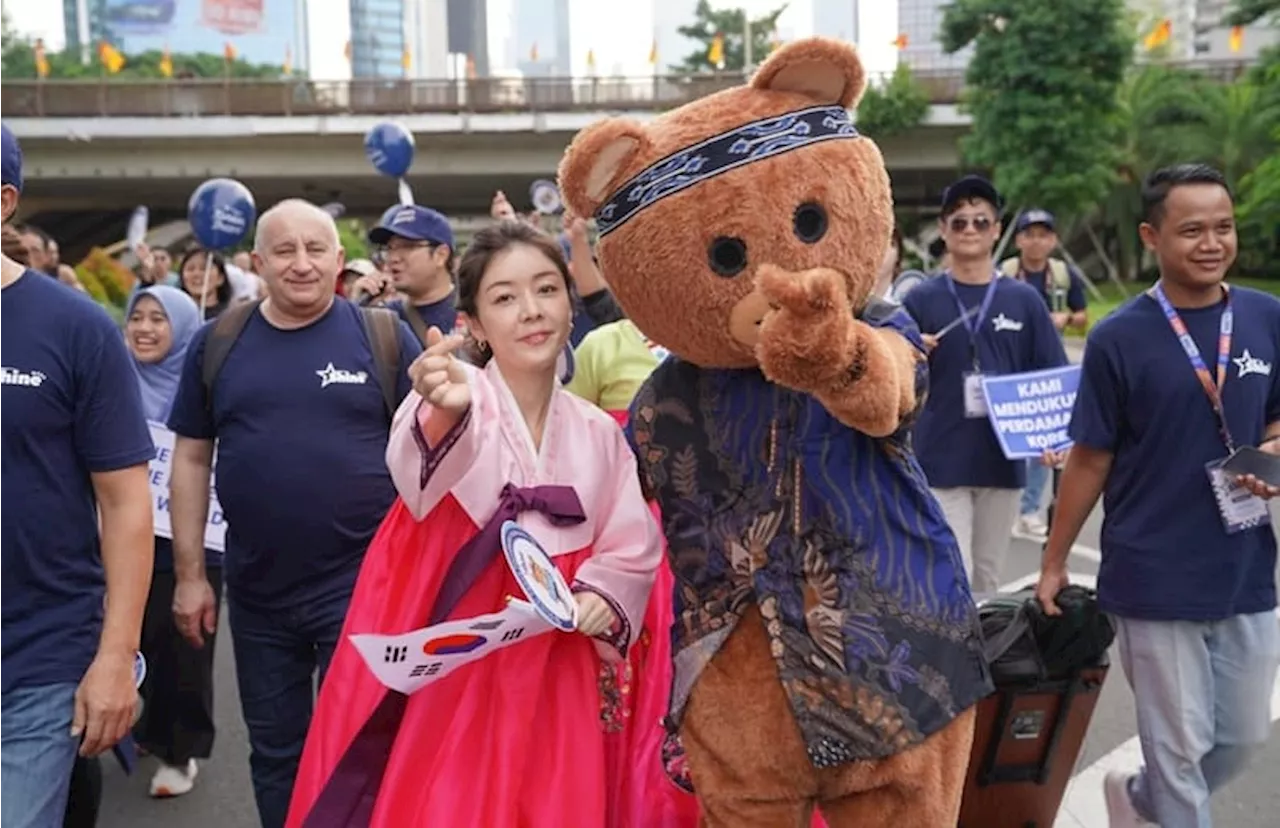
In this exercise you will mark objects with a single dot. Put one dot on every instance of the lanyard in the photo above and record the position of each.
(1211, 389)
(973, 324)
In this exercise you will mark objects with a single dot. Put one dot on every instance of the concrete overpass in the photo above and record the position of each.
(96, 148)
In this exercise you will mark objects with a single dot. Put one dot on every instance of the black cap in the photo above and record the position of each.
(971, 187)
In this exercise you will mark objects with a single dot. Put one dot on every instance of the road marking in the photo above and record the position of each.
(1084, 803)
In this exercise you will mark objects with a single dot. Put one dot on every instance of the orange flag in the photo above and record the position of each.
(406, 60)
(111, 58)
(715, 55)
(166, 63)
(901, 41)
(533, 53)
(471, 68)
(1236, 39)
(229, 52)
(1160, 35)
(653, 53)
(42, 62)
(346, 51)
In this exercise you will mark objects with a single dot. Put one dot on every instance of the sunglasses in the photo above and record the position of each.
(959, 224)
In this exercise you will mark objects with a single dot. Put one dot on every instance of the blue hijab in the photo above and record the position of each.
(159, 380)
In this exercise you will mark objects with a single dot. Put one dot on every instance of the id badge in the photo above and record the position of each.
(1240, 508)
(975, 402)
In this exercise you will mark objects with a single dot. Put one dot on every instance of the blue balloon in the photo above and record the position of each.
(389, 147)
(221, 212)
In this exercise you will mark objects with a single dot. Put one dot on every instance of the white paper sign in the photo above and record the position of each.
(215, 531)
(406, 663)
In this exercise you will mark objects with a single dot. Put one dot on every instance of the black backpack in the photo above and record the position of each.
(1023, 645)
(381, 328)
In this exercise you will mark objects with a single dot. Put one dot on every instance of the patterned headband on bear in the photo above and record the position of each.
(719, 154)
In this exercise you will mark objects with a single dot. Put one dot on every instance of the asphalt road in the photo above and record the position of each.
(223, 797)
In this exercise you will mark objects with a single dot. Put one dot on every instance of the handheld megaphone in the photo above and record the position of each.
(546, 197)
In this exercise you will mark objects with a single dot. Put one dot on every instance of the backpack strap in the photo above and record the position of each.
(411, 315)
(1010, 267)
(381, 326)
(1060, 274)
(222, 338)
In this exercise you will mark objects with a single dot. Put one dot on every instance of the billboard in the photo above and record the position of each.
(262, 31)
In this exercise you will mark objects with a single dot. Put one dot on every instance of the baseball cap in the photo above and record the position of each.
(10, 159)
(971, 187)
(1030, 218)
(360, 267)
(413, 222)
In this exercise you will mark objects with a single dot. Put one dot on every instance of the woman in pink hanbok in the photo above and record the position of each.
(518, 739)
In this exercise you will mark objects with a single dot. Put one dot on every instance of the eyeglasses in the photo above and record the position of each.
(959, 224)
(403, 247)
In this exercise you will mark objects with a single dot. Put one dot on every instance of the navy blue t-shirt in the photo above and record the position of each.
(1165, 552)
(442, 314)
(70, 408)
(302, 436)
(1015, 336)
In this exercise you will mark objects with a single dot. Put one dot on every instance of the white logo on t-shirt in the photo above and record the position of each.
(1004, 323)
(337, 376)
(12, 376)
(1250, 364)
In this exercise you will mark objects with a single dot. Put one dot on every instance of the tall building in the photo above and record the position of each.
(377, 38)
(262, 31)
(921, 21)
(468, 25)
(838, 19)
(538, 44)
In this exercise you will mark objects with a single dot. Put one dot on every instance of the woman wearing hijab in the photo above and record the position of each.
(177, 718)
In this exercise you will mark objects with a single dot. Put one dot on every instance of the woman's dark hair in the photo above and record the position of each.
(897, 246)
(223, 291)
(485, 245)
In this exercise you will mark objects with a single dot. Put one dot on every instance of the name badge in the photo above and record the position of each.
(1240, 508)
(975, 402)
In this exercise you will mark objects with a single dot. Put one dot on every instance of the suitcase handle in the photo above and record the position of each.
(1038, 772)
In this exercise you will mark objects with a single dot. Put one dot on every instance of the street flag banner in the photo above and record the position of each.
(215, 531)
(407, 663)
(1030, 412)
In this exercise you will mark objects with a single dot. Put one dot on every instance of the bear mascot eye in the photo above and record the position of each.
(810, 222)
(727, 256)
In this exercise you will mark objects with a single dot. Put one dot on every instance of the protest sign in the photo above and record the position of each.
(405, 663)
(215, 531)
(1030, 412)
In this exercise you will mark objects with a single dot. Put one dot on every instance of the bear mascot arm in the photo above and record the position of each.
(810, 338)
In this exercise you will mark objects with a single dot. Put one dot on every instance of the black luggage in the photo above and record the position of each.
(1028, 734)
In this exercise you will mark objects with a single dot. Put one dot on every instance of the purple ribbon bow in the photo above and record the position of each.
(348, 797)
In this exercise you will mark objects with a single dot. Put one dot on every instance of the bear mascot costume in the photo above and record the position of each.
(825, 645)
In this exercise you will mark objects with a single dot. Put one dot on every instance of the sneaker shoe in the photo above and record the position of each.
(170, 781)
(1032, 526)
(1120, 810)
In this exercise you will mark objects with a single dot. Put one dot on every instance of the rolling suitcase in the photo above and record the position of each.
(1028, 733)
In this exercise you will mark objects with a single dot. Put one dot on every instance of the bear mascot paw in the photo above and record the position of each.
(826, 646)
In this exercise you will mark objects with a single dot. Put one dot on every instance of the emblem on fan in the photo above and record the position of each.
(546, 197)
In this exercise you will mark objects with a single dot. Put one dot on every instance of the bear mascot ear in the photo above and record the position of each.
(827, 71)
(595, 163)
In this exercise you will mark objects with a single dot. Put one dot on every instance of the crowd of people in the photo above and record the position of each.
(473, 386)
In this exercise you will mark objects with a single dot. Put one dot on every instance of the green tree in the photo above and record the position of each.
(1041, 88)
(897, 106)
(353, 236)
(1260, 214)
(731, 25)
(1245, 12)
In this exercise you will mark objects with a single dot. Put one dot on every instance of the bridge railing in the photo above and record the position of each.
(119, 98)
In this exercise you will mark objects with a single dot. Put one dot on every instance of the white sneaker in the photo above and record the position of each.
(1032, 526)
(1120, 810)
(170, 781)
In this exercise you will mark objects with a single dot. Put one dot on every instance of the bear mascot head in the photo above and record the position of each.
(728, 226)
